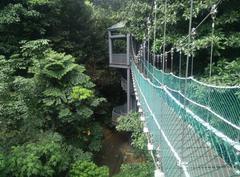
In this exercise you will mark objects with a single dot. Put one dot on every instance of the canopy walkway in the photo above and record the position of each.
(193, 127)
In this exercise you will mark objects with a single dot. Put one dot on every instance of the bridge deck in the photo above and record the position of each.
(196, 153)
(199, 157)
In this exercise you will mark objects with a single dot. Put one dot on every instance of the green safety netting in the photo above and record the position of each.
(219, 106)
(194, 127)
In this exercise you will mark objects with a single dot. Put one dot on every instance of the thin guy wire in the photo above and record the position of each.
(189, 41)
(204, 19)
(164, 33)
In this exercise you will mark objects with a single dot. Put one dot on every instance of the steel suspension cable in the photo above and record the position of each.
(192, 54)
(154, 35)
(148, 38)
(186, 74)
(213, 12)
(212, 161)
(199, 24)
(164, 33)
(172, 57)
(159, 85)
(189, 43)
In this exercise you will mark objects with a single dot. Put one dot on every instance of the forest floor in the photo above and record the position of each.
(116, 150)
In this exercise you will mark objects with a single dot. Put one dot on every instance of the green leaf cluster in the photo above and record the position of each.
(131, 123)
(225, 72)
(45, 157)
(133, 170)
(88, 169)
(40, 117)
(176, 16)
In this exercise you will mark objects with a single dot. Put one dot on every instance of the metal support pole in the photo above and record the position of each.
(128, 90)
(110, 46)
(128, 75)
(164, 34)
(148, 39)
(172, 53)
(180, 63)
(148, 58)
(144, 55)
(128, 49)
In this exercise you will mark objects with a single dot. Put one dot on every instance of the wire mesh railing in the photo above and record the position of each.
(192, 131)
(218, 105)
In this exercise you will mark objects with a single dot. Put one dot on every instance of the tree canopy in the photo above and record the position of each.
(177, 14)
(48, 102)
(56, 86)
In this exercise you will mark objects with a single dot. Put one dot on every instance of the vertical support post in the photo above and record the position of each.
(148, 39)
(148, 50)
(164, 34)
(172, 53)
(128, 49)
(144, 56)
(110, 46)
(128, 90)
(128, 75)
(180, 63)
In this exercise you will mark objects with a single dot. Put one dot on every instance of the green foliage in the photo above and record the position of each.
(133, 170)
(96, 137)
(46, 157)
(45, 19)
(226, 35)
(131, 123)
(47, 102)
(81, 93)
(5, 72)
(59, 81)
(55, 65)
(135, 14)
(12, 13)
(88, 169)
(2, 163)
(15, 112)
(34, 48)
(114, 5)
(225, 72)
(41, 2)
(37, 99)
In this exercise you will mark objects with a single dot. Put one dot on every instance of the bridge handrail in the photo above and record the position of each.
(234, 144)
(196, 103)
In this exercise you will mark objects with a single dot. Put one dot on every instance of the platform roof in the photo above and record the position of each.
(117, 26)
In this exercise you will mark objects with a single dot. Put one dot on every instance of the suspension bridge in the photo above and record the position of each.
(189, 135)
(193, 128)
